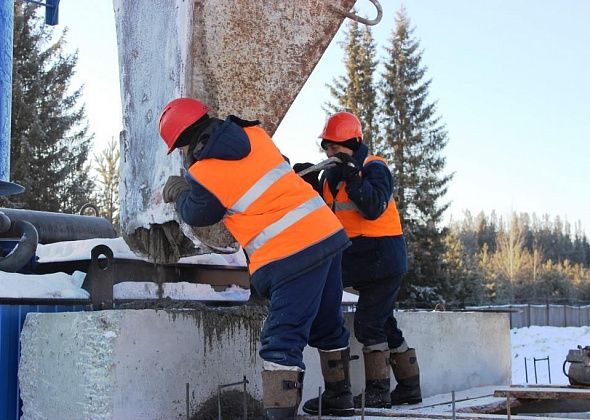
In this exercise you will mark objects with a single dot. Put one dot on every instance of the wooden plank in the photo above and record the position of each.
(544, 393)
(486, 405)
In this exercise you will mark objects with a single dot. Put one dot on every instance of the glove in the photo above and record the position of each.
(311, 178)
(348, 167)
(174, 186)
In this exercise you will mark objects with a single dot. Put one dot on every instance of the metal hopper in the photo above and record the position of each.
(244, 57)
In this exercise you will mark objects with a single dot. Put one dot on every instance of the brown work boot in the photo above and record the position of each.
(376, 381)
(407, 374)
(281, 393)
(336, 398)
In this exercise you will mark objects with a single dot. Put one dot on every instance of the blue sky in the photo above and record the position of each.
(511, 80)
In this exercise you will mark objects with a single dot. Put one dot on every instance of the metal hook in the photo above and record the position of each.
(89, 206)
(359, 19)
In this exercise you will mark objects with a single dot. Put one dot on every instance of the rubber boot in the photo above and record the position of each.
(376, 381)
(407, 374)
(281, 393)
(336, 398)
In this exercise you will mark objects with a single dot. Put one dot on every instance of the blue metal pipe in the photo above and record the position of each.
(6, 34)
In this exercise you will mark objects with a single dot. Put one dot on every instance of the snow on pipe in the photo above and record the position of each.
(25, 248)
(59, 227)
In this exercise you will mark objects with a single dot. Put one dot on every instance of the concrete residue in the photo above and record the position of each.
(215, 322)
(232, 407)
(163, 244)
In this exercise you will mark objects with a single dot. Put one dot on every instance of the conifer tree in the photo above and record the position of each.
(413, 141)
(462, 280)
(107, 166)
(50, 142)
(355, 92)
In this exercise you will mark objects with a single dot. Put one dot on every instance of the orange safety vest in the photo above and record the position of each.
(271, 211)
(388, 224)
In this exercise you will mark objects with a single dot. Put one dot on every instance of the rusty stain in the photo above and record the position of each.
(263, 53)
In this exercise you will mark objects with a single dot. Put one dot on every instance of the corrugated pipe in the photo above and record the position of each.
(24, 250)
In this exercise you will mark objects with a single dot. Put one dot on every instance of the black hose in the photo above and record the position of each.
(24, 250)
(59, 227)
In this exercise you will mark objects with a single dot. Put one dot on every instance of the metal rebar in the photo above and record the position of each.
(363, 405)
(535, 365)
(549, 369)
(508, 405)
(320, 403)
(220, 387)
(454, 409)
(188, 414)
(245, 400)
(526, 372)
(219, 402)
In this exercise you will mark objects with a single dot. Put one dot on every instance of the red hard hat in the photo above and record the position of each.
(178, 115)
(342, 126)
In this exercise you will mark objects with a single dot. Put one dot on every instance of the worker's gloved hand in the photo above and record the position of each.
(348, 166)
(174, 186)
(311, 178)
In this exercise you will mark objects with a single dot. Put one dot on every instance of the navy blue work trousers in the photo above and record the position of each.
(374, 322)
(304, 309)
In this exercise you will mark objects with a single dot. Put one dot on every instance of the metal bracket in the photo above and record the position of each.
(101, 277)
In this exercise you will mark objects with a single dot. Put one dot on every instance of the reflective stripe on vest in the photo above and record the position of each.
(350, 206)
(283, 223)
(260, 187)
(271, 211)
(355, 224)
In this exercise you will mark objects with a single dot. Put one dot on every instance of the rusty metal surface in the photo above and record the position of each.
(252, 57)
(244, 57)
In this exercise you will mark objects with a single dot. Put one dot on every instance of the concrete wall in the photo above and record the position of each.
(136, 363)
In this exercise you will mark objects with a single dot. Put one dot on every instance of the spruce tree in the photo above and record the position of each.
(50, 142)
(355, 92)
(107, 166)
(462, 283)
(412, 143)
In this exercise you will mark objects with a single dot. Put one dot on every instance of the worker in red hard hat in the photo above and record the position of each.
(360, 192)
(293, 241)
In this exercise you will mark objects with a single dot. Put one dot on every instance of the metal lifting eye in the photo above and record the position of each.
(359, 19)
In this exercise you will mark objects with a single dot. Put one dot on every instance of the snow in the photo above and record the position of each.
(80, 250)
(61, 285)
(541, 342)
(55, 286)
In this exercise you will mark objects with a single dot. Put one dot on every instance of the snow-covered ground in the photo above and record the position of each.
(541, 342)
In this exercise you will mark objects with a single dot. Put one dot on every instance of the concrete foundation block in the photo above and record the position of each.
(135, 364)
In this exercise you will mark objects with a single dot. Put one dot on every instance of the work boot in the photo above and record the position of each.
(407, 374)
(376, 381)
(336, 398)
(281, 393)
